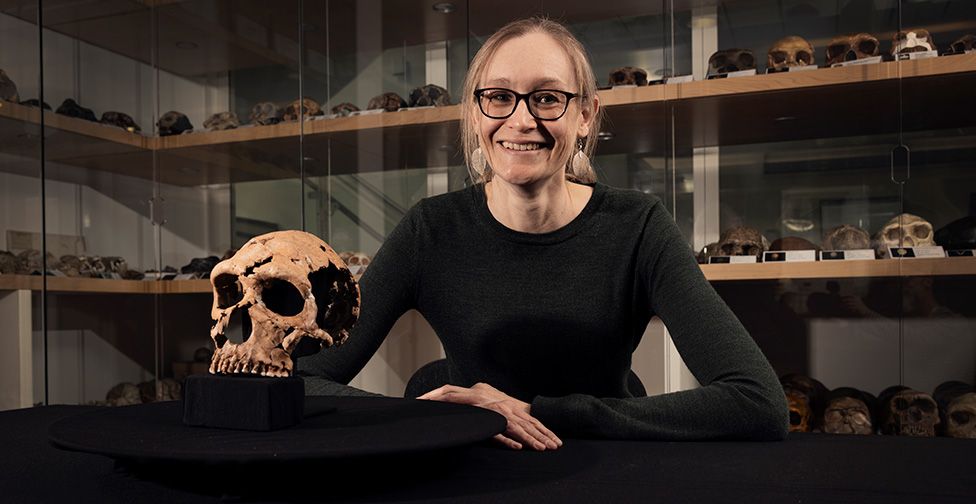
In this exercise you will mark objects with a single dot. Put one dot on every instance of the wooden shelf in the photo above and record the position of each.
(841, 269)
(102, 286)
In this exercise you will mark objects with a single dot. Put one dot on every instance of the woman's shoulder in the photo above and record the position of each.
(621, 200)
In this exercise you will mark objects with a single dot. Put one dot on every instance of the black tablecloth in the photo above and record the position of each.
(805, 468)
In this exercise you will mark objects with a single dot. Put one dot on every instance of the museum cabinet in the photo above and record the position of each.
(791, 154)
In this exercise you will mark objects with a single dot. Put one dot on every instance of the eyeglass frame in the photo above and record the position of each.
(523, 97)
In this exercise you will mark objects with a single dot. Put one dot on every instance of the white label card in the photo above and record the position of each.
(730, 75)
(790, 256)
(917, 55)
(732, 259)
(847, 255)
(677, 79)
(866, 61)
(805, 68)
(915, 252)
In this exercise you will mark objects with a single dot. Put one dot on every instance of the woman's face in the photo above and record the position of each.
(521, 149)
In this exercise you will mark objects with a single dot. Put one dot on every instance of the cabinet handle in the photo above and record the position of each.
(901, 151)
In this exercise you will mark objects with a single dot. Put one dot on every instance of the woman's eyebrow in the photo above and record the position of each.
(501, 81)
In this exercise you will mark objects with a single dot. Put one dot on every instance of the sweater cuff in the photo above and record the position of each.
(562, 415)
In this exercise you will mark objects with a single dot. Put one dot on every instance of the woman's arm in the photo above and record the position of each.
(388, 290)
(740, 396)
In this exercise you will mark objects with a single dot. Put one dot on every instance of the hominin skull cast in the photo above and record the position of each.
(910, 413)
(961, 417)
(847, 414)
(628, 75)
(910, 41)
(292, 285)
(904, 230)
(731, 60)
(852, 47)
(742, 241)
(788, 52)
(846, 237)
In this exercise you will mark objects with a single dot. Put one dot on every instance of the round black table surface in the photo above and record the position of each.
(333, 428)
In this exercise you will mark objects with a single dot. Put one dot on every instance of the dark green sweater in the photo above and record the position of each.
(553, 318)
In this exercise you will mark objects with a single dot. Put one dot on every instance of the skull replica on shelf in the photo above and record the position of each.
(429, 95)
(904, 230)
(847, 411)
(34, 102)
(907, 412)
(8, 263)
(174, 123)
(305, 107)
(357, 262)
(803, 396)
(800, 411)
(957, 403)
(221, 121)
(909, 41)
(706, 252)
(390, 102)
(8, 90)
(731, 60)
(265, 113)
(792, 51)
(965, 43)
(851, 47)
(344, 109)
(628, 75)
(293, 285)
(792, 243)
(71, 108)
(846, 237)
(742, 241)
(31, 262)
(121, 120)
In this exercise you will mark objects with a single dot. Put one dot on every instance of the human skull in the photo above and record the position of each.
(429, 95)
(706, 252)
(121, 120)
(790, 52)
(846, 237)
(909, 41)
(265, 113)
(71, 108)
(800, 412)
(909, 412)
(390, 102)
(742, 241)
(904, 230)
(344, 109)
(792, 243)
(961, 417)
(306, 107)
(123, 394)
(221, 121)
(31, 262)
(851, 47)
(731, 60)
(8, 90)
(846, 414)
(174, 123)
(965, 43)
(628, 75)
(168, 389)
(357, 262)
(292, 285)
(9, 264)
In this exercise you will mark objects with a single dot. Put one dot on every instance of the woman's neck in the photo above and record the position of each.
(536, 209)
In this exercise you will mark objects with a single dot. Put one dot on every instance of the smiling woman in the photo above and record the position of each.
(540, 281)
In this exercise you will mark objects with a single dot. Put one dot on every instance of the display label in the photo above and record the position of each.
(366, 112)
(910, 252)
(790, 256)
(917, 55)
(805, 68)
(961, 253)
(847, 255)
(678, 79)
(866, 61)
(404, 109)
(729, 75)
(732, 259)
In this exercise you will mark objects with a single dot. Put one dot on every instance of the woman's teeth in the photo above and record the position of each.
(522, 146)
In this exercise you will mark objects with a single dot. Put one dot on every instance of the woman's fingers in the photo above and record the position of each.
(507, 441)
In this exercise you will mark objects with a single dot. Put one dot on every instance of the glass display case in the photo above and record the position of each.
(291, 130)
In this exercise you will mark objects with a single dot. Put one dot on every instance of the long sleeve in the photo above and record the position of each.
(740, 396)
(388, 289)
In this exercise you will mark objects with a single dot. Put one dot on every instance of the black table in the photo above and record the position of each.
(805, 468)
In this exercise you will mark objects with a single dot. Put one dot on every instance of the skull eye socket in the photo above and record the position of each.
(893, 234)
(901, 404)
(925, 406)
(804, 57)
(778, 56)
(961, 417)
(750, 250)
(746, 60)
(728, 248)
(836, 50)
(282, 297)
(958, 47)
(920, 232)
(619, 76)
(719, 60)
(229, 290)
(867, 46)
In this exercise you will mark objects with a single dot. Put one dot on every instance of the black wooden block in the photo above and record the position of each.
(244, 402)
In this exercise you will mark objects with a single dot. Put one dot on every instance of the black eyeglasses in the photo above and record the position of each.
(544, 104)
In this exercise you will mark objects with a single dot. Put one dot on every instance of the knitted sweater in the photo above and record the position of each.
(553, 318)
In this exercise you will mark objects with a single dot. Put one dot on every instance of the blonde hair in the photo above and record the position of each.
(585, 84)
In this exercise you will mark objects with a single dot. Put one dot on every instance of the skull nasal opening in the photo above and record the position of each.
(229, 290)
(282, 297)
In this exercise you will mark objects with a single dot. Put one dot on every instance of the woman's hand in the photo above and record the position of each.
(522, 428)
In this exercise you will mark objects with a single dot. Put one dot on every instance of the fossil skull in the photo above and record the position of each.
(292, 285)
(852, 47)
(731, 60)
(800, 412)
(121, 120)
(790, 52)
(429, 95)
(961, 417)
(265, 113)
(910, 41)
(742, 241)
(628, 75)
(904, 230)
(174, 123)
(306, 107)
(846, 237)
(221, 121)
(357, 263)
(390, 102)
(964, 43)
(8, 90)
(847, 415)
(910, 413)
(344, 109)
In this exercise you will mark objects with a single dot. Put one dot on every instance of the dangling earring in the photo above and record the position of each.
(581, 163)
(478, 162)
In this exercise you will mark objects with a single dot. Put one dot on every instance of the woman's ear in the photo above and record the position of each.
(587, 116)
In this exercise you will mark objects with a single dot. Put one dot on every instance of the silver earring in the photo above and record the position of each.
(478, 162)
(581, 163)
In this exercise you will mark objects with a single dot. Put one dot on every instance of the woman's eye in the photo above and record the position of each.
(546, 98)
(500, 97)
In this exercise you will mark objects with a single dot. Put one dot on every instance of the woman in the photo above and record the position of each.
(539, 281)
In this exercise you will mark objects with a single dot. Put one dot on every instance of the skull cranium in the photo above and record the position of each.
(731, 60)
(852, 47)
(910, 41)
(846, 237)
(742, 241)
(961, 417)
(292, 285)
(799, 406)
(306, 107)
(790, 52)
(909, 412)
(265, 113)
(221, 121)
(357, 263)
(904, 230)
(174, 123)
(390, 102)
(628, 75)
(963, 44)
(847, 413)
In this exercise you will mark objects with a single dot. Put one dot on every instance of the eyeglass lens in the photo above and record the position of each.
(543, 104)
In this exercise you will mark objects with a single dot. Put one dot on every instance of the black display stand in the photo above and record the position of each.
(243, 402)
